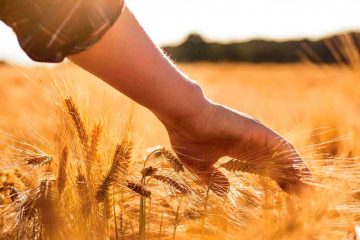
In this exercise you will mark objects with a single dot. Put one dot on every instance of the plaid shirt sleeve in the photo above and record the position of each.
(50, 30)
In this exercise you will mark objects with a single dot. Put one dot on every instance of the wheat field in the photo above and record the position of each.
(81, 161)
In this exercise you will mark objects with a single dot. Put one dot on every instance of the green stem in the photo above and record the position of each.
(148, 217)
(149, 156)
(142, 220)
(176, 219)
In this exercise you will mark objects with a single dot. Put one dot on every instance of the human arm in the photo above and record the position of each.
(200, 131)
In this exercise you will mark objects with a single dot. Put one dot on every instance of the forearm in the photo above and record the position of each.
(129, 61)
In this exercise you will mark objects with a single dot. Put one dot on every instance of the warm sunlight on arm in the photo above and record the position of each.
(200, 131)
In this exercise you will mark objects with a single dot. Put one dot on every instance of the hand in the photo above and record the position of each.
(200, 132)
(217, 131)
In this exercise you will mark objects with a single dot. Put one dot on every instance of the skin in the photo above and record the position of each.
(200, 130)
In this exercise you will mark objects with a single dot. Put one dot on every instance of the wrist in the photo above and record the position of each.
(189, 112)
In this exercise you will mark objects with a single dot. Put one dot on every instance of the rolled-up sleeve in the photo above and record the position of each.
(51, 30)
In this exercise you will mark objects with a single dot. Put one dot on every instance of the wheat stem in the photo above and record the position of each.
(176, 219)
(161, 223)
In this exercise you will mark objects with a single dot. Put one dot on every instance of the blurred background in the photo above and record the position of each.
(234, 25)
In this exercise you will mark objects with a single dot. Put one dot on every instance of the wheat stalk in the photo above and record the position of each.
(193, 213)
(118, 169)
(148, 172)
(235, 165)
(79, 124)
(138, 188)
(177, 219)
(176, 185)
(93, 148)
(172, 159)
(38, 160)
(62, 173)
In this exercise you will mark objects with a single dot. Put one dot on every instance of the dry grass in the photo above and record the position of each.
(78, 160)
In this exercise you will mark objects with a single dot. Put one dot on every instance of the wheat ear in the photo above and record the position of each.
(93, 148)
(176, 185)
(138, 188)
(148, 172)
(173, 160)
(38, 160)
(235, 165)
(62, 173)
(79, 124)
(118, 169)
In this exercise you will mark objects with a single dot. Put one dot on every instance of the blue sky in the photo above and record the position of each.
(169, 21)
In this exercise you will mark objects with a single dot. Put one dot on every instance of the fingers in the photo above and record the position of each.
(206, 172)
(289, 170)
(279, 160)
(300, 189)
(210, 176)
(297, 188)
(216, 181)
(294, 183)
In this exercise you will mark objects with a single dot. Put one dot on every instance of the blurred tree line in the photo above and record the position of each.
(334, 49)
